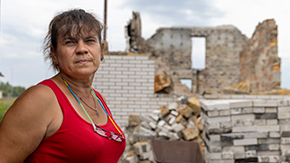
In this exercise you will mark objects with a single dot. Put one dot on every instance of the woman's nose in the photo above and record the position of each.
(81, 48)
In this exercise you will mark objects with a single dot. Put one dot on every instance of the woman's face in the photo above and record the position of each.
(78, 55)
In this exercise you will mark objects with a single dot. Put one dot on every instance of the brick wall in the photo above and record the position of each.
(127, 83)
(259, 61)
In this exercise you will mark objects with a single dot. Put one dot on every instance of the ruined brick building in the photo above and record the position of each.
(231, 57)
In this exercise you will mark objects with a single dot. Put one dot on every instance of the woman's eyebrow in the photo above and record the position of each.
(94, 37)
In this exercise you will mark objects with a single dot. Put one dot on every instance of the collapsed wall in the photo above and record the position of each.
(260, 64)
(223, 45)
(230, 56)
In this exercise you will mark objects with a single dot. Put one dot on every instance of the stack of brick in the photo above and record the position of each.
(179, 120)
(246, 130)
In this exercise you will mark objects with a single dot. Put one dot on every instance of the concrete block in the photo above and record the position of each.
(217, 119)
(174, 113)
(174, 136)
(260, 122)
(190, 133)
(145, 118)
(166, 128)
(266, 97)
(240, 103)
(177, 127)
(238, 150)
(284, 121)
(191, 124)
(231, 136)
(155, 115)
(251, 141)
(259, 110)
(247, 110)
(173, 106)
(268, 153)
(284, 127)
(213, 113)
(285, 140)
(274, 147)
(134, 120)
(163, 134)
(161, 123)
(269, 141)
(283, 102)
(235, 111)
(266, 115)
(142, 147)
(214, 104)
(187, 112)
(227, 155)
(273, 134)
(245, 129)
(131, 159)
(164, 111)
(251, 153)
(265, 103)
(243, 120)
(145, 124)
(285, 149)
(153, 125)
(182, 99)
(215, 137)
(271, 159)
(251, 96)
(283, 112)
(271, 110)
(215, 156)
(224, 112)
(285, 134)
(268, 128)
(272, 122)
(172, 120)
(226, 124)
(212, 125)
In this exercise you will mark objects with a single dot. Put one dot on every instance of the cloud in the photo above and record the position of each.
(177, 13)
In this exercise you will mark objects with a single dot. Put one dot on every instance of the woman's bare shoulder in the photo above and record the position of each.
(26, 122)
(37, 92)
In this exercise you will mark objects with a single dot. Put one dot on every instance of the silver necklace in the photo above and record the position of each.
(81, 98)
(88, 104)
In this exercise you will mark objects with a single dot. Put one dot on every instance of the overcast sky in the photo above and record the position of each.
(23, 26)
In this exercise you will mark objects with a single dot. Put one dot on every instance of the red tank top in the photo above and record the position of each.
(75, 141)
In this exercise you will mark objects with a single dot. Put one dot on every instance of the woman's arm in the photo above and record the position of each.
(25, 124)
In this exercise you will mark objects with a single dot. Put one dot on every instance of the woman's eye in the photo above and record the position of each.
(91, 40)
(69, 42)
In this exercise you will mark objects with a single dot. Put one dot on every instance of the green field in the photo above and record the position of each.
(4, 106)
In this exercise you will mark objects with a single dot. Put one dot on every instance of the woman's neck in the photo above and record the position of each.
(80, 86)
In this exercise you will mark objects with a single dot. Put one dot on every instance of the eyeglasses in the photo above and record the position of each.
(104, 133)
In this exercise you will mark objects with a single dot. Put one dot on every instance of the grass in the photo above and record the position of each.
(4, 106)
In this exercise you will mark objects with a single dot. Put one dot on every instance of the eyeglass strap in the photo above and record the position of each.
(105, 110)
(80, 104)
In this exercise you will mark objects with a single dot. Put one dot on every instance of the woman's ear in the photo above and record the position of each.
(53, 55)
(102, 51)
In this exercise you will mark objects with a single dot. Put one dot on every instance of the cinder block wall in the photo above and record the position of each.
(127, 83)
(246, 128)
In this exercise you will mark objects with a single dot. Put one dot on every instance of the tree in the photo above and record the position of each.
(13, 91)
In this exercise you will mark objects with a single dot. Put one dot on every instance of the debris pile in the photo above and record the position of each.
(179, 120)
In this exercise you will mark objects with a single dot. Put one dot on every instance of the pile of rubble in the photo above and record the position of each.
(179, 120)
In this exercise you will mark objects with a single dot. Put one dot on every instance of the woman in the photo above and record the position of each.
(63, 119)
